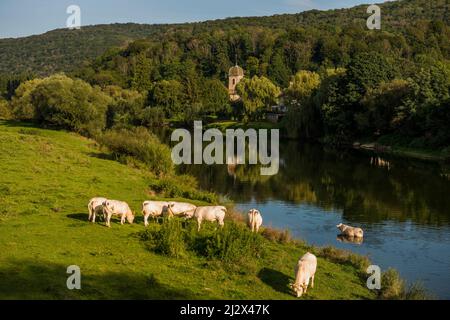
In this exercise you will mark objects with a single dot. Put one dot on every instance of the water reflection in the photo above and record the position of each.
(346, 239)
(367, 189)
(402, 205)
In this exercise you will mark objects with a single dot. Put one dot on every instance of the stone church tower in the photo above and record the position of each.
(235, 75)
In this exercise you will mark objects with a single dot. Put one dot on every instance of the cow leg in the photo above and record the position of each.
(312, 282)
(146, 220)
(122, 220)
(93, 217)
(108, 220)
(90, 214)
(199, 223)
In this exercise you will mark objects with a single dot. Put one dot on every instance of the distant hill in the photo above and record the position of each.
(65, 50)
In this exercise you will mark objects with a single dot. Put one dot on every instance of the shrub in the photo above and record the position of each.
(168, 240)
(394, 288)
(182, 187)
(5, 111)
(22, 104)
(153, 117)
(234, 243)
(361, 263)
(141, 144)
(274, 235)
(63, 102)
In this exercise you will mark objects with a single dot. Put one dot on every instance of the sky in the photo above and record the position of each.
(20, 18)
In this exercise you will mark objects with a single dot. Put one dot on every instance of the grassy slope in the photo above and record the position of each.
(46, 180)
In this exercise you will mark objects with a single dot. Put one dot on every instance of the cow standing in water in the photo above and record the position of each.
(350, 231)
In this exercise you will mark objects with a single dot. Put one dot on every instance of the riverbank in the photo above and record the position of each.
(384, 145)
(44, 229)
(407, 152)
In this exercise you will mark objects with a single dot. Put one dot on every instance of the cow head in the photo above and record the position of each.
(340, 226)
(298, 289)
(189, 214)
(169, 209)
(130, 218)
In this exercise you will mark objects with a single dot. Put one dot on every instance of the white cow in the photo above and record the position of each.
(212, 213)
(95, 206)
(153, 209)
(350, 231)
(117, 208)
(305, 271)
(254, 220)
(180, 209)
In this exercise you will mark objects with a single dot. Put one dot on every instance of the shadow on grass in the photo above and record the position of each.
(79, 216)
(83, 217)
(32, 280)
(101, 155)
(277, 280)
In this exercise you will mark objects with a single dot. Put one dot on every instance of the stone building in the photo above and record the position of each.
(235, 75)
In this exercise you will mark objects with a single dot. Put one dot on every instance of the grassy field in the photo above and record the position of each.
(46, 179)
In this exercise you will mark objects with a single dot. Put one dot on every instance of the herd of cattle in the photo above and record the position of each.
(305, 269)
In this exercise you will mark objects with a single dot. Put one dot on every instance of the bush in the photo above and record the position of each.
(274, 235)
(361, 263)
(153, 117)
(182, 187)
(394, 288)
(63, 102)
(5, 111)
(234, 243)
(141, 144)
(169, 240)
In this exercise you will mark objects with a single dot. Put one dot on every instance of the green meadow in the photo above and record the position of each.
(46, 180)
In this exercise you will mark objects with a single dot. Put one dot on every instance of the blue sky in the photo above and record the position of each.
(20, 18)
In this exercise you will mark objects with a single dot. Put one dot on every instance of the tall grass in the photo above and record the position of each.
(393, 287)
(168, 239)
(233, 244)
(140, 144)
(181, 186)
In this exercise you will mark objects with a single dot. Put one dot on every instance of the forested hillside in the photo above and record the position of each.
(340, 81)
(65, 50)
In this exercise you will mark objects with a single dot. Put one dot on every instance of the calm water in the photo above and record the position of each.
(403, 205)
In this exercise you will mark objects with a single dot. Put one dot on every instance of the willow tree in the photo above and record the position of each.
(258, 94)
(301, 120)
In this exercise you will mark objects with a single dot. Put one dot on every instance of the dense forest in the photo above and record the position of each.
(340, 81)
(64, 50)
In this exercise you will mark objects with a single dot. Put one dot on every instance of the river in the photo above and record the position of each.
(403, 205)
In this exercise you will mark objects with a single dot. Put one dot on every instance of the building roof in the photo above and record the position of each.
(236, 71)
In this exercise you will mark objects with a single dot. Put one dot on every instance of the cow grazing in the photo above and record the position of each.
(95, 207)
(212, 213)
(153, 209)
(305, 271)
(254, 220)
(180, 209)
(117, 208)
(350, 231)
